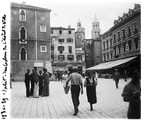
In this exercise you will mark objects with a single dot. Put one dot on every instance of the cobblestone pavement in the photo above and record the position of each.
(59, 105)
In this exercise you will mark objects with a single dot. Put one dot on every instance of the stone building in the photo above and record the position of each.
(93, 51)
(107, 46)
(79, 46)
(96, 31)
(30, 38)
(68, 48)
(96, 53)
(121, 43)
(62, 48)
(126, 34)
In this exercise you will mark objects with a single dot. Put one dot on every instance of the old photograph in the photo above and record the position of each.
(70, 59)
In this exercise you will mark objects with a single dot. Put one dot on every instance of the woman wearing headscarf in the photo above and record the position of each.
(90, 84)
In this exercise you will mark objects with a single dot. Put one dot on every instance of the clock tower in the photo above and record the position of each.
(79, 46)
(79, 36)
(96, 31)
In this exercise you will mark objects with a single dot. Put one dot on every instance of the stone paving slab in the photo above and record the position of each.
(59, 105)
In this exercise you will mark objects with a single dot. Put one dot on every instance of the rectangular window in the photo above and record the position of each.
(42, 28)
(61, 57)
(61, 49)
(60, 40)
(123, 33)
(104, 45)
(69, 40)
(107, 56)
(70, 57)
(22, 15)
(43, 48)
(60, 31)
(110, 43)
(118, 35)
(107, 44)
(69, 31)
(79, 57)
(114, 38)
(70, 49)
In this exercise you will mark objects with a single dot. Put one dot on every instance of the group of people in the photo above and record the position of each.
(37, 84)
(77, 86)
(131, 91)
(40, 86)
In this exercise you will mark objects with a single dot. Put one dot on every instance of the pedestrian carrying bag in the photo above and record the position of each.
(66, 89)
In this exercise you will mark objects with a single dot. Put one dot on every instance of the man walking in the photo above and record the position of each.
(27, 82)
(116, 77)
(76, 82)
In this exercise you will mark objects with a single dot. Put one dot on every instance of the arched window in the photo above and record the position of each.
(22, 54)
(22, 15)
(22, 33)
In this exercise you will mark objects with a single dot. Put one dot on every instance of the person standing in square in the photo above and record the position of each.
(27, 82)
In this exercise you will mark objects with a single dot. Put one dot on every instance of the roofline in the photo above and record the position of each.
(20, 5)
(62, 28)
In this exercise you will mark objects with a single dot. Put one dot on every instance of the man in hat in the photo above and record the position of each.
(116, 77)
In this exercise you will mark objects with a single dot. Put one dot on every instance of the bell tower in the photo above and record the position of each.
(95, 28)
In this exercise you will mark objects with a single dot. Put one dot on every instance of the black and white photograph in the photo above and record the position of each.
(70, 59)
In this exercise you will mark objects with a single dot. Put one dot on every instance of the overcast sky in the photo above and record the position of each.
(67, 12)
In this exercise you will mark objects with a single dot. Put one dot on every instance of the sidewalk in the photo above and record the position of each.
(59, 105)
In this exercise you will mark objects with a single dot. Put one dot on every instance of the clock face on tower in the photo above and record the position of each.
(79, 36)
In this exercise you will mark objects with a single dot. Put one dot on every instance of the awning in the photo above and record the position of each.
(110, 64)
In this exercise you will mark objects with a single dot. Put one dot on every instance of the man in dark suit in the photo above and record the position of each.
(116, 77)
(27, 82)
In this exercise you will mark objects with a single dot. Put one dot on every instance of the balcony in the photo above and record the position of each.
(22, 41)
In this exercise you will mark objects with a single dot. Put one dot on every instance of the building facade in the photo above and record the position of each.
(126, 34)
(63, 48)
(122, 41)
(68, 48)
(96, 54)
(30, 38)
(93, 52)
(107, 46)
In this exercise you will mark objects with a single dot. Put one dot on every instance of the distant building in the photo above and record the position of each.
(93, 52)
(96, 53)
(96, 31)
(88, 52)
(79, 46)
(62, 48)
(30, 38)
(68, 48)
(107, 46)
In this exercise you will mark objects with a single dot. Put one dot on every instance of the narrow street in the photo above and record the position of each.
(59, 105)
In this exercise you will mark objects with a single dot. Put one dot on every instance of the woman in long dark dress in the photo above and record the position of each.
(45, 91)
(90, 84)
